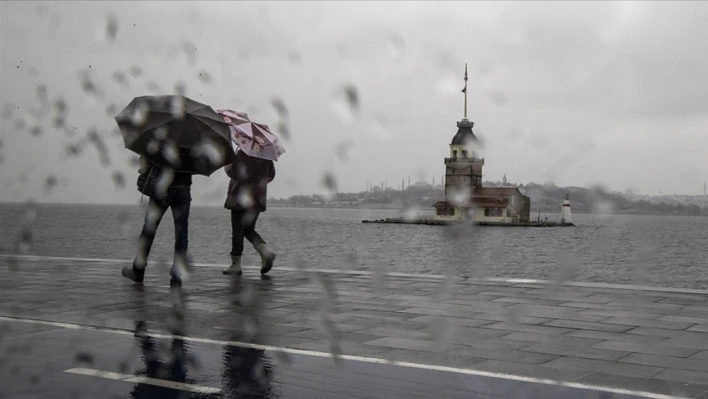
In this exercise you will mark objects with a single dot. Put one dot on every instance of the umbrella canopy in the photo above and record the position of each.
(176, 132)
(254, 139)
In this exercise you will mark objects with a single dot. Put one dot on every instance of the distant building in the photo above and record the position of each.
(465, 197)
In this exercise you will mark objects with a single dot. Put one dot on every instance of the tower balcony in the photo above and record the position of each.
(463, 161)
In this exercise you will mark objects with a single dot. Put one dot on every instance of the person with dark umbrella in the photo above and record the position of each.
(175, 137)
(247, 199)
(178, 198)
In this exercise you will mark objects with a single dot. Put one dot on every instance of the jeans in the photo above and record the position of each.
(179, 200)
(243, 224)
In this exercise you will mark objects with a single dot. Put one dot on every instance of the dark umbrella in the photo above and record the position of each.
(176, 132)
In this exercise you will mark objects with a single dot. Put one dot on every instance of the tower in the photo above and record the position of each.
(566, 217)
(463, 169)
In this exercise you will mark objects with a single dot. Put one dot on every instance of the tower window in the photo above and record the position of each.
(454, 153)
(464, 154)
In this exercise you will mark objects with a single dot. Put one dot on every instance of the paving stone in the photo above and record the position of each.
(588, 325)
(409, 344)
(653, 349)
(504, 355)
(671, 388)
(667, 362)
(603, 366)
(552, 339)
(529, 370)
(662, 332)
(684, 319)
(429, 320)
(619, 313)
(699, 328)
(702, 355)
(449, 359)
(647, 323)
(516, 327)
(396, 333)
(691, 377)
(575, 351)
(682, 343)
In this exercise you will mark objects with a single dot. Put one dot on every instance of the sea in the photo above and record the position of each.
(664, 251)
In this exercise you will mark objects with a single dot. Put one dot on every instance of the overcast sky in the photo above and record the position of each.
(576, 93)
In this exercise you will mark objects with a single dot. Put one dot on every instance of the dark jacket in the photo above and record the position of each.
(248, 188)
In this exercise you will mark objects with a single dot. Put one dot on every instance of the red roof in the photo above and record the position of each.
(490, 202)
(494, 191)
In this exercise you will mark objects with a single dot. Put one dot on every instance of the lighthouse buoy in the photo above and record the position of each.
(566, 216)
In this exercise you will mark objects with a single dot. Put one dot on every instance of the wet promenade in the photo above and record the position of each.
(76, 328)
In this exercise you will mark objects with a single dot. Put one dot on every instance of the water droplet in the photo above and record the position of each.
(294, 58)
(83, 358)
(342, 150)
(279, 107)
(20, 124)
(111, 27)
(36, 131)
(152, 87)
(135, 70)
(396, 46)
(121, 79)
(118, 179)
(180, 89)
(42, 92)
(7, 112)
(24, 244)
(245, 199)
(140, 114)
(205, 77)
(95, 139)
(73, 150)
(171, 154)
(50, 182)
(177, 106)
(346, 103)
(111, 109)
(498, 98)
(164, 181)
(284, 130)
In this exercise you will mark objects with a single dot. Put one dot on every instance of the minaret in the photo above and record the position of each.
(464, 166)
(566, 217)
(704, 189)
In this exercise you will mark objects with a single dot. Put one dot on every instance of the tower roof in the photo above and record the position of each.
(464, 133)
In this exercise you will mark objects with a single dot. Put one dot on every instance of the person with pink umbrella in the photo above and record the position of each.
(251, 171)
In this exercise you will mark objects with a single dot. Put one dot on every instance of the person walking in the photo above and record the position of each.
(176, 197)
(246, 199)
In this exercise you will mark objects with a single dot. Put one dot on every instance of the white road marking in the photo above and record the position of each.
(629, 287)
(143, 380)
(363, 359)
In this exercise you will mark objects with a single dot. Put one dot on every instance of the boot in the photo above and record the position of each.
(136, 272)
(267, 258)
(235, 268)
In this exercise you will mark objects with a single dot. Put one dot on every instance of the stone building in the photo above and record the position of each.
(465, 197)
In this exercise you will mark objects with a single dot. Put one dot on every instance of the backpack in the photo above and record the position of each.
(147, 181)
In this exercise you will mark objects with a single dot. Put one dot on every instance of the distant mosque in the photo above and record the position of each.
(465, 196)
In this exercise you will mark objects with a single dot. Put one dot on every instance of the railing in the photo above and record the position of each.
(464, 160)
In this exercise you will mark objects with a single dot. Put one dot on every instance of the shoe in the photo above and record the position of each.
(235, 268)
(267, 258)
(133, 273)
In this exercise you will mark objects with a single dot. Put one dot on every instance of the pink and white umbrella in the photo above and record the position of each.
(255, 139)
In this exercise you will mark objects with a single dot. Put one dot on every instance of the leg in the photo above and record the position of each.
(267, 257)
(180, 202)
(237, 234)
(153, 216)
(249, 231)
(238, 231)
